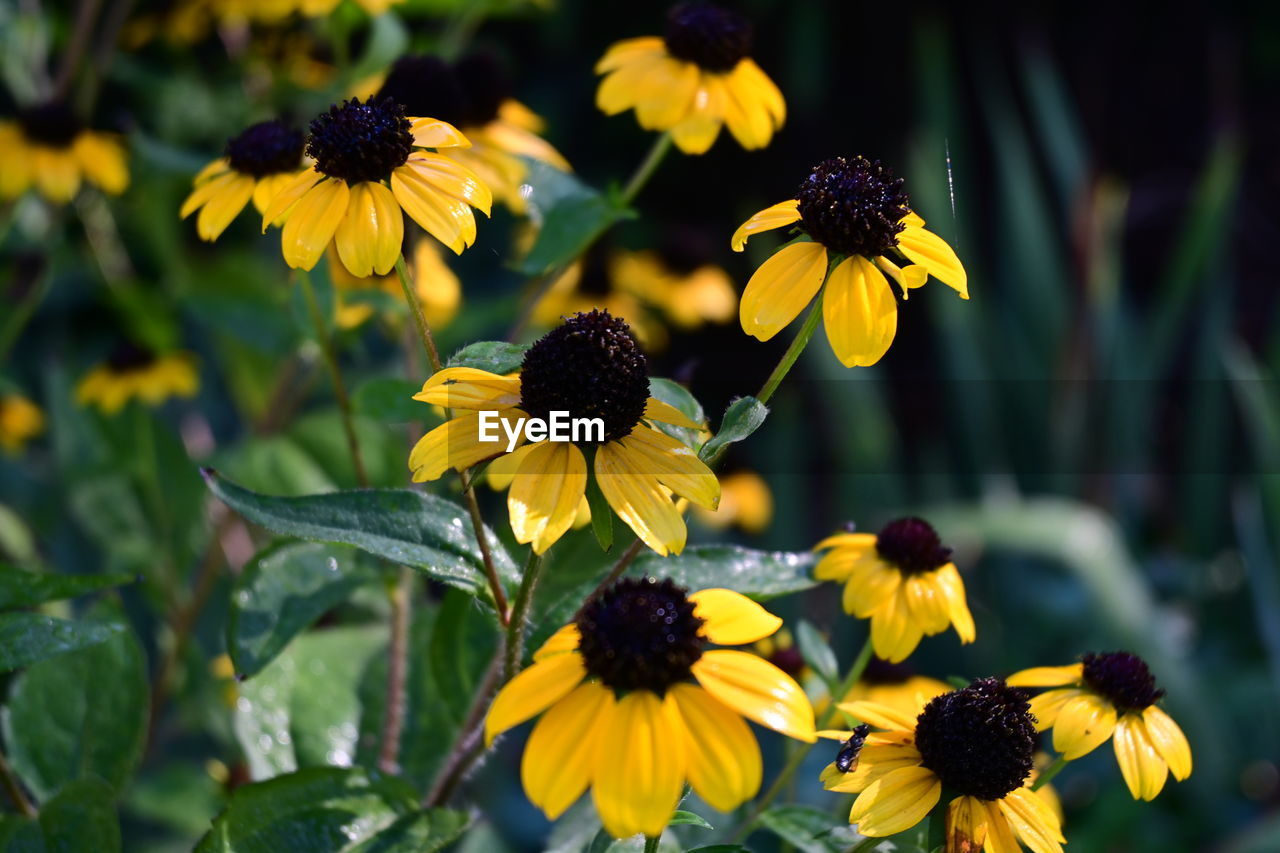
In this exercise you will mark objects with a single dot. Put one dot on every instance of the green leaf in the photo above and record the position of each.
(390, 401)
(494, 356)
(675, 394)
(572, 216)
(401, 525)
(80, 714)
(26, 638)
(282, 591)
(19, 588)
(816, 652)
(684, 818)
(318, 810)
(808, 829)
(758, 574)
(422, 832)
(743, 417)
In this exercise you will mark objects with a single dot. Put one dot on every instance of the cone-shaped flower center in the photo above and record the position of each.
(426, 86)
(1123, 678)
(640, 634)
(912, 545)
(979, 740)
(712, 38)
(590, 367)
(127, 357)
(853, 207)
(51, 124)
(266, 148)
(361, 141)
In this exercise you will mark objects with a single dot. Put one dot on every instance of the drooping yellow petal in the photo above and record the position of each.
(1141, 764)
(287, 196)
(758, 690)
(563, 640)
(640, 767)
(1084, 723)
(896, 801)
(1046, 706)
(779, 215)
(1047, 676)
(533, 691)
(1033, 820)
(948, 580)
(456, 444)
(370, 235)
(434, 133)
(781, 288)
(932, 252)
(312, 223)
(545, 493)
(470, 388)
(560, 756)
(731, 619)
(656, 410)
(639, 500)
(724, 765)
(1169, 741)
(674, 464)
(860, 312)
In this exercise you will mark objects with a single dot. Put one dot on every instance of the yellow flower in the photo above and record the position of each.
(257, 164)
(687, 288)
(591, 368)
(20, 421)
(1106, 695)
(439, 290)
(135, 372)
(745, 500)
(694, 79)
(903, 580)
(634, 706)
(979, 742)
(854, 220)
(50, 149)
(358, 149)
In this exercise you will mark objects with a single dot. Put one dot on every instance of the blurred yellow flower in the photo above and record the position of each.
(135, 372)
(439, 290)
(693, 80)
(745, 501)
(47, 147)
(20, 421)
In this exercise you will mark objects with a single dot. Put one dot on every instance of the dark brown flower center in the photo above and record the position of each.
(640, 634)
(979, 740)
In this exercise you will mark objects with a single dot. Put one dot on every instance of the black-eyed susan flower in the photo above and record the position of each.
(895, 685)
(903, 580)
(591, 369)
(856, 227)
(634, 705)
(438, 287)
(1111, 695)
(136, 372)
(978, 743)
(694, 79)
(20, 421)
(473, 94)
(256, 165)
(366, 173)
(47, 147)
(745, 502)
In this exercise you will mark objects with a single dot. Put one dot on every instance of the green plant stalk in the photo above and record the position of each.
(397, 671)
(520, 615)
(797, 758)
(1049, 772)
(335, 376)
(792, 354)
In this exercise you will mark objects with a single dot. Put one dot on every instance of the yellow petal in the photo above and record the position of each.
(675, 465)
(1047, 705)
(656, 410)
(533, 691)
(781, 288)
(434, 133)
(312, 223)
(859, 312)
(470, 388)
(1169, 741)
(563, 640)
(288, 195)
(1047, 676)
(896, 801)
(779, 215)
(369, 237)
(1142, 766)
(545, 493)
(932, 252)
(640, 767)
(724, 765)
(560, 755)
(1033, 820)
(758, 690)
(639, 500)
(731, 619)
(1084, 723)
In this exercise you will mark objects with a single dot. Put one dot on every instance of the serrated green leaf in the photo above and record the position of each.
(390, 401)
(20, 588)
(759, 574)
(404, 526)
(282, 591)
(26, 638)
(684, 818)
(494, 356)
(816, 652)
(743, 417)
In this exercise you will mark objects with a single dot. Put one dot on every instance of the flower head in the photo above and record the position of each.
(49, 148)
(694, 79)
(635, 704)
(856, 228)
(903, 580)
(20, 421)
(133, 371)
(1111, 695)
(590, 367)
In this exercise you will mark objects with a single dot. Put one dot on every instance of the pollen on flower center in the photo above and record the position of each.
(853, 207)
(1122, 677)
(979, 740)
(361, 141)
(266, 148)
(51, 123)
(912, 545)
(590, 367)
(127, 356)
(712, 38)
(640, 634)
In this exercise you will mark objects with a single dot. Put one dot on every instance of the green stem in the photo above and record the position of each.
(335, 376)
(520, 615)
(397, 672)
(793, 352)
(647, 167)
(651, 843)
(797, 758)
(1049, 772)
(419, 318)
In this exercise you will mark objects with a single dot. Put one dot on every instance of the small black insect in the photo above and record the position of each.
(847, 758)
